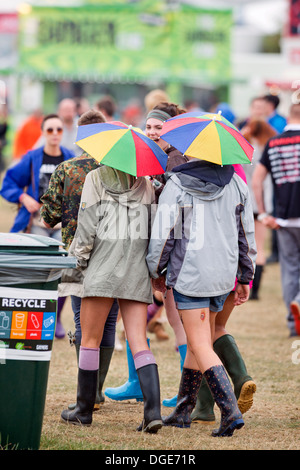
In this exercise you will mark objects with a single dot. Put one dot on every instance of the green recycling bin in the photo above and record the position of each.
(30, 270)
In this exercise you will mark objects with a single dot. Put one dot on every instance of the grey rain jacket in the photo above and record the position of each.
(203, 232)
(112, 235)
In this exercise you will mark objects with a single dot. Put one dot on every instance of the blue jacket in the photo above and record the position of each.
(25, 174)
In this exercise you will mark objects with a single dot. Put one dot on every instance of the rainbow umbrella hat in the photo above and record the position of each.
(209, 137)
(122, 147)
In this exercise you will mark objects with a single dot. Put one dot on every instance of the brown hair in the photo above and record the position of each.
(260, 130)
(49, 116)
(107, 103)
(91, 116)
(171, 108)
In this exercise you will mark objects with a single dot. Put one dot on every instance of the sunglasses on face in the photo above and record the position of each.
(50, 130)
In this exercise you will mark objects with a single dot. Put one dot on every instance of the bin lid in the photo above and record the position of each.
(36, 262)
(30, 244)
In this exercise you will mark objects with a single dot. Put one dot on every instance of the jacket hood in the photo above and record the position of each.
(202, 179)
(122, 187)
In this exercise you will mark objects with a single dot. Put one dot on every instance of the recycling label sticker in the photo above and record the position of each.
(27, 323)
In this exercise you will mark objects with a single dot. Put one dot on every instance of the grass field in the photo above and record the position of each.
(272, 358)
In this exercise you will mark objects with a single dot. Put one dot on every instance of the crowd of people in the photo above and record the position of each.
(62, 192)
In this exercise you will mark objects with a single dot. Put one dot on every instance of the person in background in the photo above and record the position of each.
(154, 97)
(26, 182)
(257, 110)
(68, 114)
(281, 158)
(3, 133)
(28, 134)
(82, 106)
(276, 120)
(191, 105)
(66, 111)
(107, 106)
(226, 111)
(132, 114)
(258, 132)
(61, 203)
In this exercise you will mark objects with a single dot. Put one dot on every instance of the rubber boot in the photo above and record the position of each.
(187, 396)
(72, 406)
(104, 362)
(149, 381)
(130, 389)
(204, 408)
(86, 393)
(244, 387)
(256, 282)
(171, 403)
(222, 392)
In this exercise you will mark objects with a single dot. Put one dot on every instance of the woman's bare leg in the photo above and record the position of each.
(174, 318)
(200, 354)
(223, 316)
(93, 314)
(134, 315)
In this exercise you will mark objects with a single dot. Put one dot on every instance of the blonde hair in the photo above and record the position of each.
(154, 97)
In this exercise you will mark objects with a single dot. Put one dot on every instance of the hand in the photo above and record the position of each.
(270, 221)
(45, 223)
(241, 294)
(159, 284)
(30, 203)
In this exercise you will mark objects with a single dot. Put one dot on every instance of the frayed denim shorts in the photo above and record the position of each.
(184, 302)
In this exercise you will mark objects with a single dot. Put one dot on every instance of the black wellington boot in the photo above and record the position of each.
(104, 363)
(220, 387)
(86, 393)
(186, 399)
(149, 381)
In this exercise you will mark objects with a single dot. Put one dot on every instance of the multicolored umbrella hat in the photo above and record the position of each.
(209, 137)
(122, 147)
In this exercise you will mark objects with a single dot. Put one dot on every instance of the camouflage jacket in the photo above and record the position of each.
(62, 199)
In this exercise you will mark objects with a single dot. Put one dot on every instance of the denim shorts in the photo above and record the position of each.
(184, 302)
